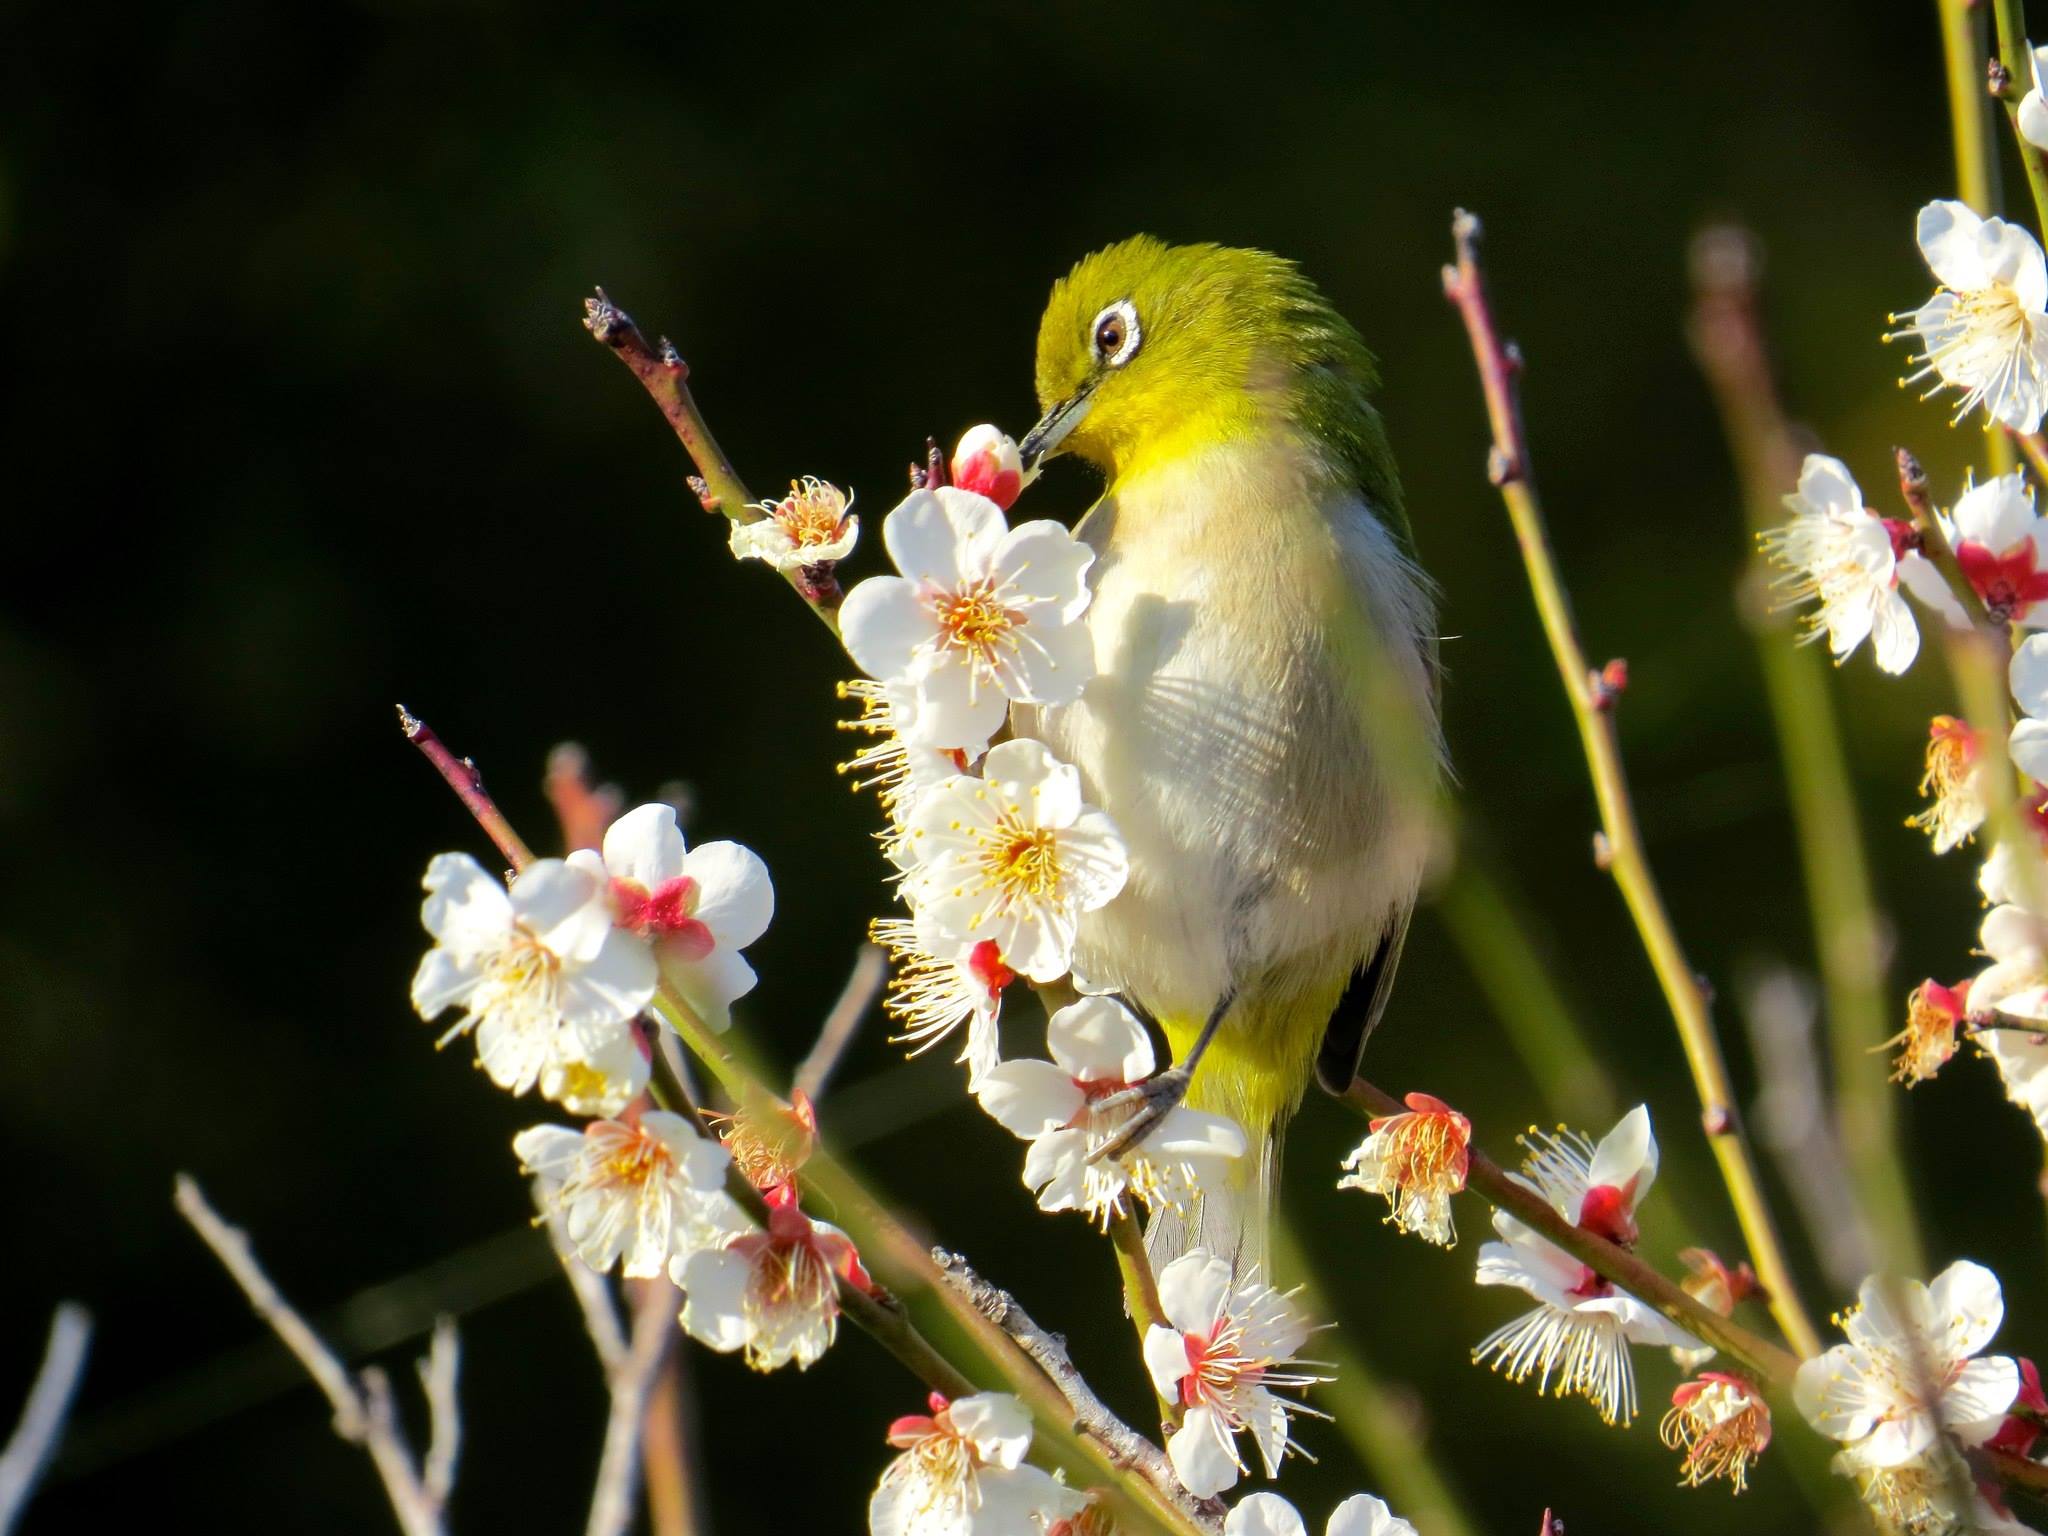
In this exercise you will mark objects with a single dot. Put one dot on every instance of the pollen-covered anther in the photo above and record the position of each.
(1952, 785)
(770, 1142)
(1934, 1013)
(1721, 1425)
(1417, 1161)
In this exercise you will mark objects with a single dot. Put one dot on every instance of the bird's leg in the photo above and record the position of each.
(1161, 1093)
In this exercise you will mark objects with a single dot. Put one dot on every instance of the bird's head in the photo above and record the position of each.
(1148, 349)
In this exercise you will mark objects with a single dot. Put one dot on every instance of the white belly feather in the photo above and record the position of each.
(1225, 733)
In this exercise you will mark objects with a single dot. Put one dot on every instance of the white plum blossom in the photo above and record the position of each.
(774, 1293)
(699, 907)
(2001, 543)
(941, 983)
(987, 462)
(1416, 1161)
(1231, 1342)
(539, 971)
(1013, 856)
(2028, 675)
(810, 526)
(642, 1192)
(1984, 333)
(2033, 109)
(1954, 783)
(962, 1473)
(982, 614)
(1267, 1514)
(2015, 984)
(1907, 1373)
(595, 1070)
(1582, 1328)
(895, 763)
(1098, 1050)
(1842, 558)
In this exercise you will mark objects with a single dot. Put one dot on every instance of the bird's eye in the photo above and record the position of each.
(1116, 334)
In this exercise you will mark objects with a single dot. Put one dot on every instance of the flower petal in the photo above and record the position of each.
(884, 626)
(1267, 1514)
(735, 898)
(1948, 232)
(1202, 1454)
(1096, 1040)
(645, 846)
(1194, 1290)
(1028, 1098)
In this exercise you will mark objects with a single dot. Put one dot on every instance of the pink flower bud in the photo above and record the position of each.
(986, 462)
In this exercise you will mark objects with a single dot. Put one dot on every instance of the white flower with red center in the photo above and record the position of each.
(1417, 1160)
(1843, 558)
(1933, 1015)
(983, 614)
(810, 526)
(1985, 332)
(1013, 856)
(2001, 543)
(1267, 1514)
(940, 984)
(1954, 781)
(528, 965)
(1230, 1344)
(1581, 1330)
(987, 463)
(699, 906)
(642, 1191)
(1098, 1050)
(1908, 1373)
(894, 763)
(772, 1293)
(1721, 1424)
(962, 1473)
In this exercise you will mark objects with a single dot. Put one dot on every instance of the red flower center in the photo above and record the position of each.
(2007, 582)
(665, 914)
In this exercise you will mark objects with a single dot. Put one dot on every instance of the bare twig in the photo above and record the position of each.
(665, 376)
(670, 1454)
(439, 1373)
(363, 1411)
(468, 784)
(1127, 1448)
(629, 1380)
(42, 1418)
(870, 969)
(1508, 468)
(593, 1295)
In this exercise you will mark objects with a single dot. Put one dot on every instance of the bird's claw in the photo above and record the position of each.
(1156, 1098)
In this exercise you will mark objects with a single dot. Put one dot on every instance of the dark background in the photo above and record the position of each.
(300, 422)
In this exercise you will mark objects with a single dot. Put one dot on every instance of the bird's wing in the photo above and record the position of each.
(1359, 1009)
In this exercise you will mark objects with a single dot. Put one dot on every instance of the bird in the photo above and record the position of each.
(1263, 724)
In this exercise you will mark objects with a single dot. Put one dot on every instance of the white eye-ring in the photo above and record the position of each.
(1116, 334)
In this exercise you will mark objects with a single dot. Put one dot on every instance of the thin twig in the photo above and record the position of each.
(363, 1411)
(629, 1380)
(1127, 1448)
(2016, 54)
(665, 376)
(592, 1292)
(870, 970)
(670, 1455)
(1508, 468)
(468, 784)
(440, 1371)
(35, 1438)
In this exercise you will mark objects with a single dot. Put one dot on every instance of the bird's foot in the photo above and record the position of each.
(1154, 1099)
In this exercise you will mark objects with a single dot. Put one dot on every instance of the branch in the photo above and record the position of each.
(870, 970)
(42, 1418)
(2016, 58)
(630, 1379)
(439, 1372)
(363, 1411)
(1592, 706)
(468, 783)
(1605, 1259)
(665, 376)
(1127, 1448)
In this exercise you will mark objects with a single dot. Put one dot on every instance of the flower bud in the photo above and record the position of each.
(986, 462)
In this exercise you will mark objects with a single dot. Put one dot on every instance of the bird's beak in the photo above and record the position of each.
(1043, 441)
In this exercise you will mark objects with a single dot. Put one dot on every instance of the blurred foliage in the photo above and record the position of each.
(302, 423)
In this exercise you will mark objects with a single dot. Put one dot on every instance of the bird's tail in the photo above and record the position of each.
(1231, 1217)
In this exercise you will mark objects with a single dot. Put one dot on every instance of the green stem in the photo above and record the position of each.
(1141, 1290)
(1627, 860)
(2018, 59)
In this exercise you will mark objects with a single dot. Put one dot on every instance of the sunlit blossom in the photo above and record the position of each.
(1933, 1014)
(772, 1294)
(770, 1141)
(987, 463)
(961, 1472)
(810, 526)
(2001, 544)
(939, 984)
(1417, 1161)
(1984, 333)
(1954, 784)
(1721, 1424)
(1841, 558)
(1267, 1514)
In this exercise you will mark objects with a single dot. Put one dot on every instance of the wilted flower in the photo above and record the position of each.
(1954, 781)
(645, 1191)
(1933, 1013)
(1267, 1514)
(774, 1293)
(1907, 1373)
(698, 906)
(527, 966)
(1721, 1425)
(1013, 856)
(1710, 1282)
(1843, 558)
(1984, 332)
(770, 1141)
(938, 984)
(983, 614)
(1417, 1161)
(1231, 1342)
(962, 1473)
(810, 526)
(1099, 1050)
(987, 463)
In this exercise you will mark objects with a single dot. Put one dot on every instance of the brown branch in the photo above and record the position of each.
(439, 1372)
(35, 1438)
(870, 970)
(1127, 1448)
(468, 784)
(630, 1378)
(665, 376)
(363, 1411)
